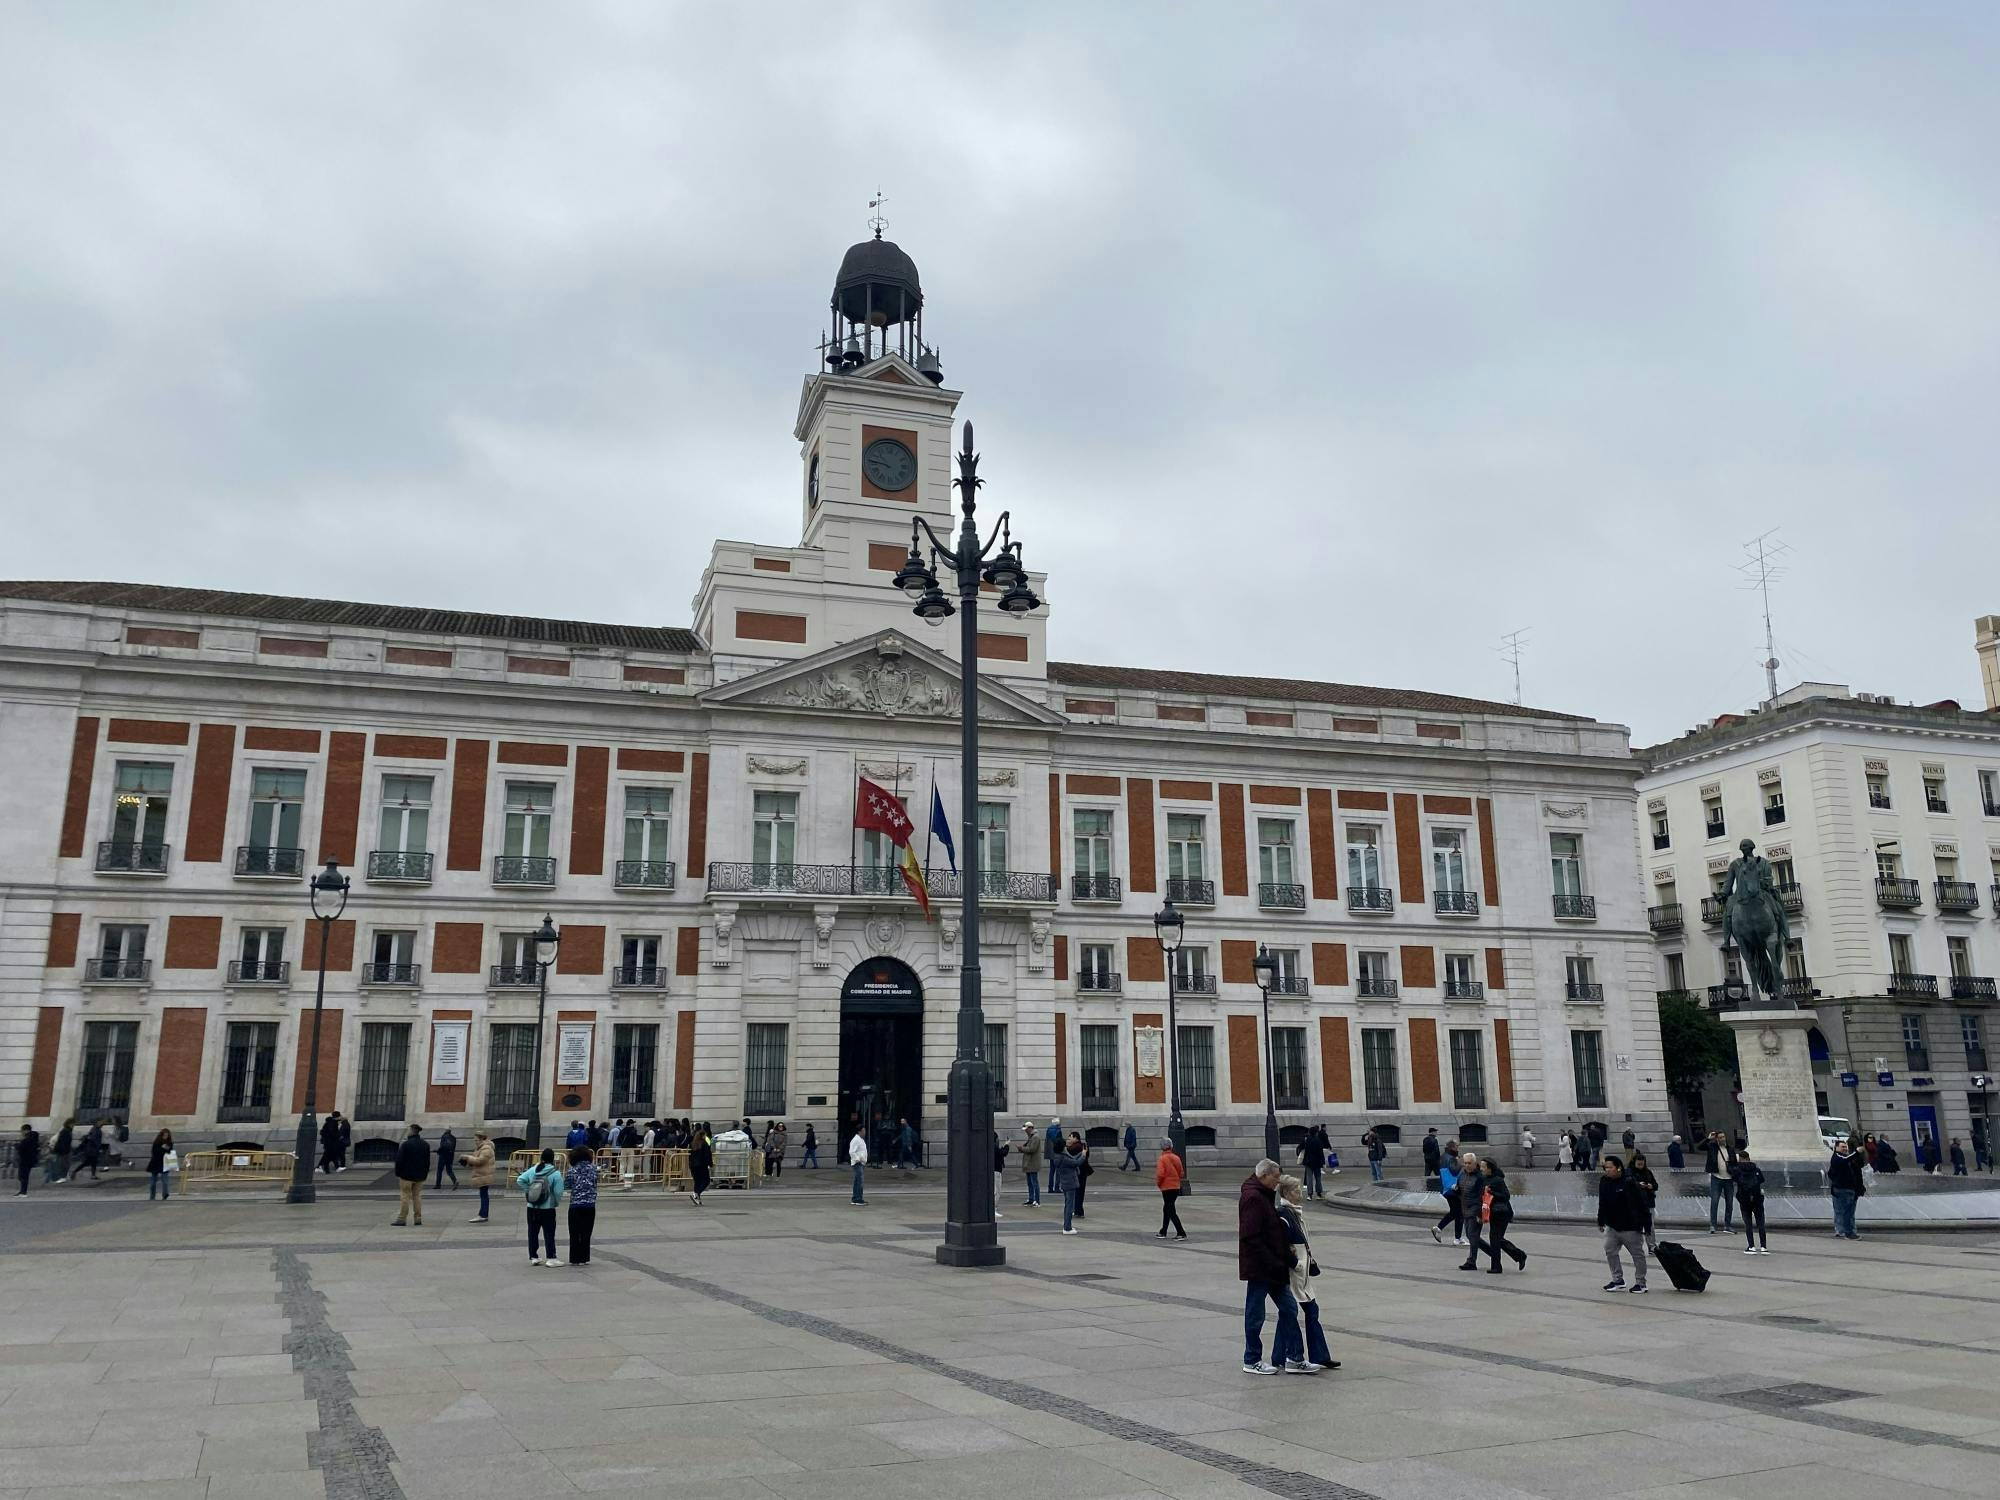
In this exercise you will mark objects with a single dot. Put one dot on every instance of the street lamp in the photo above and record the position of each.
(330, 887)
(544, 941)
(1167, 927)
(971, 1237)
(1267, 974)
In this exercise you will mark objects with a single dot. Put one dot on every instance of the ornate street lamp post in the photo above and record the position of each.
(1168, 927)
(1267, 973)
(971, 1237)
(328, 888)
(545, 942)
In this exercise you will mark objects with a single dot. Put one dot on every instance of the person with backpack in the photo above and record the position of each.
(1496, 1212)
(159, 1171)
(1622, 1216)
(413, 1166)
(1749, 1180)
(480, 1162)
(447, 1160)
(1031, 1164)
(1447, 1174)
(1170, 1176)
(27, 1153)
(542, 1189)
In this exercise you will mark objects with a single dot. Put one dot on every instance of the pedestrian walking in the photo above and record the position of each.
(27, 1153)
(346, 1141)
(1433, 1150)
(1982, 1149)
(857, 1158)
(1928, 1155)
(809, 1153)
(1377, 1154)
(1131, 1148)
(161, 1164)
(581, 1184)
(1957, 1158)
(1649, 1188)
(1718, 1159)
(1170, 1176)
(1068, 1179)
(479, 1161)
(91, 1152)
(1595, 1135)
(1846, 1181)
(1086, 1169)
(1470, 1185)
(1527, 1149)
(1749, 1180)
(1031, 1164)
(447, 1160)
(1312, 1158)
(1496, 1212)
(701, 1162)
(1264, 1266)
(1885, 1158)
(1052, 1147)
(329, 1143)
(1631, 1142)
(413, 1166)
(1622, 1217)
(1454, 1208)
(1565, 1152)
(1311, 1356)
(1676, 1155)
(542, 1189)
(906, 1146)
(59, 1154)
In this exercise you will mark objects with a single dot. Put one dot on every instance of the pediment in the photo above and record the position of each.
(886, 676)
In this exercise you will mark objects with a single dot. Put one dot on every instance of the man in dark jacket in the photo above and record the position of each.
(329, 1143)
(27, 1155)
(1595, 1134)
(1846, 1182)
(346, 1140)
(1621, 1214)
(1264, 1265)
(1131, 1143)
(447, 1157)
(1312, 1156)
(1433, 1152)
(413, 1165)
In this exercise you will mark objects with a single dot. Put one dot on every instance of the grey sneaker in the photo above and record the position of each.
(1639, 1288)
(1615, 1286)
(1262, 1367)
(1301, 1367)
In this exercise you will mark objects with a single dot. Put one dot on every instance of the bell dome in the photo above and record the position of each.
(877, 284)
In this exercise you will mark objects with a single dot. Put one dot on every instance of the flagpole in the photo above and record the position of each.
(854, 825)
(930, 823)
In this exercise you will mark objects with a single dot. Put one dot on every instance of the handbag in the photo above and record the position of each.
(171, 1162)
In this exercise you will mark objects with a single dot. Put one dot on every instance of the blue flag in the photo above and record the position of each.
(941, 827)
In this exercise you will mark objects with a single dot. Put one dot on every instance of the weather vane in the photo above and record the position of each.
(875, 219)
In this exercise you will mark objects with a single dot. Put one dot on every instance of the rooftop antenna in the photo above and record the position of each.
(1764, 568)
(875, 220)
(1510, 648)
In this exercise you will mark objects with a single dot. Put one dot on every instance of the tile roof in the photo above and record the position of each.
(282, 609)
(1337, 694)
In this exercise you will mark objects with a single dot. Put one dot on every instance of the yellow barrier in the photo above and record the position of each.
(622, 1168)
(209, 1168)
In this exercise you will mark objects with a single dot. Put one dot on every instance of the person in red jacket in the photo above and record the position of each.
(1264, 1265)
(1170, 1173)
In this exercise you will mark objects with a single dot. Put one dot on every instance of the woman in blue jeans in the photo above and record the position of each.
(1846, 1181)
(1067, 1169)
(158, 1178)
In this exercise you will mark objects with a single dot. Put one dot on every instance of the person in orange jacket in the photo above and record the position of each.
(1170, 1173)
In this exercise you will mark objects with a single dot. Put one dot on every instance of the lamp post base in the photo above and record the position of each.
(972, 1256)
(304, 1189)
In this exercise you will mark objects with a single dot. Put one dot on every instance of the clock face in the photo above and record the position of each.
(812, 481)
(889, 465)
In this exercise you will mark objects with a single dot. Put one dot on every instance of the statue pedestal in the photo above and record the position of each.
(1780, 1114)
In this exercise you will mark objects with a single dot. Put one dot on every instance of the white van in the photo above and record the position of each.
(1833, 1129)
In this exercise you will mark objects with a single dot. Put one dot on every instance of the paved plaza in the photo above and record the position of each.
(783, 1343)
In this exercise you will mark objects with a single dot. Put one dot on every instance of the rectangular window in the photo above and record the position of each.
(395, 952)
(639, 961)
(993, 821)
(1372, 972)
(1712, 819)
(1974, 1036)
(1288, 1066)
(1878, 790)
(1732, 965)
(510, 1072)
(1677, 978)
(635, 1055)
(383, 1090)
(277, 801)
(1364, 856)
(1191, 968)
(263, 953)
(1185, 834)
(1566, 863)
(406, 815)
(764, 1071)
(1989, 793)
(1448, 859)
(1092, 827)
(1663, 835)
(1888, 864)
(1378, 1068)
(1100, 1066)
(1586, 1052)
(1900, 960)
(1288, 968)
(121, 950)
(1459, 975)
(1579, 971)
(1795, 958)
(774, 833)
(530, 809)
(648, 824)
(1916, 1048)
(996, 1063)
(141, 792)
(249, 1057)
(1774, 803)
(1197, 1067)
(1960, 950)
(1934, 798)
(1468, 1070)
(1275, 865)
(104, 1083)
(1094, 969)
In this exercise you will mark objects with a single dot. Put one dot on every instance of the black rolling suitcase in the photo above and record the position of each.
(1683, 1270)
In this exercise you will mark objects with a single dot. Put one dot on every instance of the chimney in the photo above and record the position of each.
(1987, 639)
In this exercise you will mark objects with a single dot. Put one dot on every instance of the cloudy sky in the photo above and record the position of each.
(1303, 340)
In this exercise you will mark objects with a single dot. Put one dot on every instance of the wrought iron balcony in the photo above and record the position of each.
(1581, 908)
(1795, 987)
(1190, 891)
(1662, 841)
(1793, 895)
(1370, 898)
(1666, 918)
(1957, 895)
(643, 874)
(1992, 808)
(1194, 984)
(117, 970)
(1879, 801)
(1291, 984)
(1711, 911)
(1375, 987)
(1972, 987)
(1099, 982)
(524, 869)
(1716, 829)
(1728, 996)
(124, 857)
(1455, 903)
(399, 866)
(639, 977)
(250, 971)
(1281, 895)
(1096, 888)
(391, 974)
(269, 862)
(1589, 994)
(1898, 893)
(995, 885)
(1935, 804)
(511, 976)
(1464, 989)
(1688, 995)
(1913, 986)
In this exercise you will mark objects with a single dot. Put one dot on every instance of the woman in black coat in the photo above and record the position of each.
(1499, 1214)
(158, 1178)
(701, 1164)
(1084, 1169)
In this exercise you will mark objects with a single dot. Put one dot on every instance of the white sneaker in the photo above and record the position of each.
(1301, 1367)
(550, 1262)
(1262, 1367)
(1070, 1231)
(534, 1260)
(475, 1220)
(1763, 1249)
(1749, 1249)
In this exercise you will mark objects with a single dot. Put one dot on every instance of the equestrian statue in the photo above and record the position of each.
(1754, 920)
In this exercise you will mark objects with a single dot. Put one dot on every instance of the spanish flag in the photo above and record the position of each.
(880, 811)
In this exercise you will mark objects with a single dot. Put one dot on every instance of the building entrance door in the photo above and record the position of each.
(881, 1055)
(1923, 1124)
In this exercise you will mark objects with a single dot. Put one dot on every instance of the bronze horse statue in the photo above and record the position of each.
(1754, 920)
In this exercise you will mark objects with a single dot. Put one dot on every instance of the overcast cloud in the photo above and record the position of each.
(1305, 340)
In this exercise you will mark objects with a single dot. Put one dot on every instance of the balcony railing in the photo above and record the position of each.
(1099, 982)
(1464, 989)
(1582, 908)
(995, 885)
(251, 971)
(1375, 987)
(524, 869)
(1370, 898)
(643, 875)
(122, 857)
(117, 970)
(1972, 987)
(1455, 903)
(1879, 801)
(1913, 986)
(1281, 895)
(1935, 804)
(391, 974)
(1096, 888)
(1728, 996)
(510, 976)
(1992, 807)
(1665, 918)
(1662, 841)
(1795, 987)
(639, 977)
(1711, 911)
(1793, 896)
(1189, 891)
(399, 866)
(269, 862)
(1957, 895)
(1291, 984)
(1890, 891)
(1589, 993)
(1194, 984)
(1687, 995)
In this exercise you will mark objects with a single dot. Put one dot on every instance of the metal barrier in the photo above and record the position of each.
(221, 1168)
(618, 1168)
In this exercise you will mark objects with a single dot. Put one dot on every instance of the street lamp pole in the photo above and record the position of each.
(545, 941)
(1168, 927)
(1267, 972)
(971, 1236)
(332, 886)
